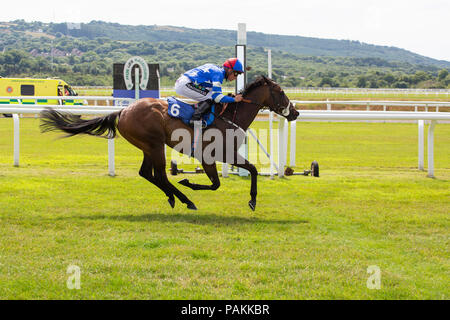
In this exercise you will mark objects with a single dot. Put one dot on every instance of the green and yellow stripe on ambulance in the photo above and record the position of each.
(30, 101)
(69, 102)
(72, 102)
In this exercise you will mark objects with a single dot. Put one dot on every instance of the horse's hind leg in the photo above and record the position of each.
(146, 172)
(159, 166)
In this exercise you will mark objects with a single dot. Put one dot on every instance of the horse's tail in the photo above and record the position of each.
(72, 124)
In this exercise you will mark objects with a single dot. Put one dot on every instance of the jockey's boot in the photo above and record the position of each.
(202, 107)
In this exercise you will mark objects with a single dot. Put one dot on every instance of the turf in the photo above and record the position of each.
(309, 238)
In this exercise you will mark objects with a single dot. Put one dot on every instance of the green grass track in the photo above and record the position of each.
(309, 238)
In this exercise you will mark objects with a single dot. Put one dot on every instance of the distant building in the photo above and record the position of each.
(34, 52)
(73, 26)
(76, 52)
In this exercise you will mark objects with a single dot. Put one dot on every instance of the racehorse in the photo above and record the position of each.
(147, 125)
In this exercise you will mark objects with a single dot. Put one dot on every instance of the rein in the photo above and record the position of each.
(251, 102)
(219, 116)
(285, 110)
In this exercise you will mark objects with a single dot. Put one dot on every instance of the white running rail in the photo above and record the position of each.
(16, 109)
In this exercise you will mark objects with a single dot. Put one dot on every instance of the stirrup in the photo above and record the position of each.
(192, 122)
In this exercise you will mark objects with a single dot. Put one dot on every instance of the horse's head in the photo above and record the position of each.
(274, 97)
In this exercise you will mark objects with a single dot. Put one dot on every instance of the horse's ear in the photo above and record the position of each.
(266, 80)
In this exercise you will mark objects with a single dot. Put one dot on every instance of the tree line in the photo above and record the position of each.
(84, 61)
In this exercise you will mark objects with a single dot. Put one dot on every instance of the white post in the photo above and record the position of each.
(421, 146)
(16, 139)
(281, 147)
(271, 142)
(225, 170)
(431, 149)
(293, 143)
(269, 74)
(240, 84)
(286, 138)
(111, 163)
(136, 83)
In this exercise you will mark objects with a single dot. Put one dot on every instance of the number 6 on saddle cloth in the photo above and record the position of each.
(184, 111)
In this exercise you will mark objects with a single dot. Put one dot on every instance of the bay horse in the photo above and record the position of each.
(147, 125)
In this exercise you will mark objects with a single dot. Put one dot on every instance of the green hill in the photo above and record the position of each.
(83, 54)
(292, 44)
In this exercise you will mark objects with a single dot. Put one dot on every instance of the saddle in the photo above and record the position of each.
(184, 111)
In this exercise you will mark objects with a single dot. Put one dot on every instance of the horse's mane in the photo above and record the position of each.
(259, 81)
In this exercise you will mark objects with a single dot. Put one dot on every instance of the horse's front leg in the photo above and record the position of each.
(244, 164)
(211, 172)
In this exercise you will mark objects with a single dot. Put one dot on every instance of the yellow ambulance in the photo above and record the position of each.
(15, 87)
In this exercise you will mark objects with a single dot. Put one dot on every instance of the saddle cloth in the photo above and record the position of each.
(184, 111)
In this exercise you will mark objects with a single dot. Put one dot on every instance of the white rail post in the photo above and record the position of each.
(240, 84)
(111, 154)
(136, 83)
(286, 138)
(269, 74)
(431, 149)
(293, 143)
(271, 142)
(16, 139)
(282, 145)
(225, 170)
(421, 146)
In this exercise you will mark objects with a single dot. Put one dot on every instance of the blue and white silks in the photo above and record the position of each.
(210, 77)
(184, 111)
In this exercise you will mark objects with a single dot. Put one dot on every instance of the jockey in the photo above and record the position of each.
(204, 84)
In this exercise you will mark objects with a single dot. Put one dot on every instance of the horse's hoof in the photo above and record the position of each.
(252, 204)
(184, 182)
(191, 206)
(171, 202)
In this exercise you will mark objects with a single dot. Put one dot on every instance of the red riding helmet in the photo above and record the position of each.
(234, 64)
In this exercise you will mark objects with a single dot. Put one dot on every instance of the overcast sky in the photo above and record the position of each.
(421, 26)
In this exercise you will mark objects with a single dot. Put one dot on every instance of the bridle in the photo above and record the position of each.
(284, 110)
